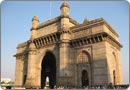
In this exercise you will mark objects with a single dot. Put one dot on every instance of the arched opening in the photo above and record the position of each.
(25, 68)
(114, 77)
(84, 65)
(114, 68)
(48, 69)
(85, 78)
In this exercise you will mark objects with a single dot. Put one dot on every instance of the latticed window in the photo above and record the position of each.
(82, 58)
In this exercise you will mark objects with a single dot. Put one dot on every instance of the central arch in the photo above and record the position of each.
(48, 69)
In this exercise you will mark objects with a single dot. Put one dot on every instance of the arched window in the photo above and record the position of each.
(82, 58)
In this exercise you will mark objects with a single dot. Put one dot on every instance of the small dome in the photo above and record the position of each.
(64, 5)
(86, 21)
(35, 18)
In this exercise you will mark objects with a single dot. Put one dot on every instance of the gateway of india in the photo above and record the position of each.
(69, 53)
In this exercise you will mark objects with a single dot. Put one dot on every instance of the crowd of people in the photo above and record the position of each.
(86, 87)
(94, 87)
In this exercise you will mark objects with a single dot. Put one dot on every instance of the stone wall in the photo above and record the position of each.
(103, 28)
(52, 28)
(99, 63)
(19, 72)
(106, 29)
(114, 63)
(19, 67)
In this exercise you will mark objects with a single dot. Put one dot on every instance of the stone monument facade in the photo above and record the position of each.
(69, 53)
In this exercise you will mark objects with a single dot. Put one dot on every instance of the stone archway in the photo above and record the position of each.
(85, 78)
(84, 69)
(48, 69)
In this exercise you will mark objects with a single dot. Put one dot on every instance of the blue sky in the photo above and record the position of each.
(16, 19)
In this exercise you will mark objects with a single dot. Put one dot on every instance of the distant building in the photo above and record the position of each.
(69, 53)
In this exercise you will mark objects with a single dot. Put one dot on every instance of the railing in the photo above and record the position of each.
(46, 40)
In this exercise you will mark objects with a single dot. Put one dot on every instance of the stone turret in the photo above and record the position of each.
(35, 22)
(31, 78)
(64, 9)
(65, 17)
(86, 20)
(64, 42)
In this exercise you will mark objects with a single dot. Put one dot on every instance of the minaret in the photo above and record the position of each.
(35, 22)
(65, 9)
(64, 15)
(64, 41)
